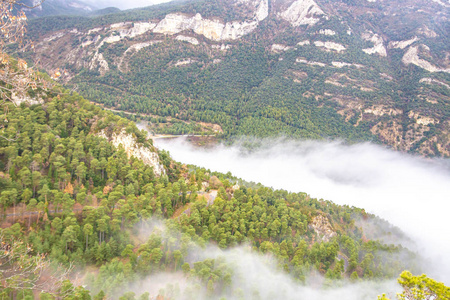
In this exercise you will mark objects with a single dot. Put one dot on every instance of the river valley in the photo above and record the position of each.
(408, 191)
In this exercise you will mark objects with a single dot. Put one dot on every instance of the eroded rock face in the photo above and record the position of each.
(127, 30)
(19, 99)
(312, 63)
(132, 148)
(212, 29)
(403, 44)
(422, 120)
(262, 11)
(303, 43)
(412, 57)
(302, 12)
(378, 47)
(327, 32)
(277, 48)
(330, 46)
(99, 61)
(323, 228)
(222, 47)
(434, 81)
(340, 64)
(427, 32)
(379, 110)
(188, 39)
(185, 61)
(442, 2)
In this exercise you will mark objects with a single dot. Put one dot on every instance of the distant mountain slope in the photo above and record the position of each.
(39, 8)
(366, 70)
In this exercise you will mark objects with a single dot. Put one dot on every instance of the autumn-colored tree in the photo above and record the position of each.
(69, 189)
(17, 78)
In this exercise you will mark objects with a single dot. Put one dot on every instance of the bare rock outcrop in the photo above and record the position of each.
(302, 12)
(378, 47)
(212, 29)
(188, 39)
(99, 61)
(322, 227)
(330, 46)
(403, 44)
(132, 148)
(412, 57)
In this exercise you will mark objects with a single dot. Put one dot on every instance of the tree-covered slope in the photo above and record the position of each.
(74, 190)
(326, 69)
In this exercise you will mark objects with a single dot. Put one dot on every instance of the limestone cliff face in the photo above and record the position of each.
(98, 61)
(322, 227)
(132, 148)
(90, 56)
(378, 47)
(412, 57)
(403, 44)
(330, 46)
(212, 29)
(188, 39)
(302, 12)
(361, 81)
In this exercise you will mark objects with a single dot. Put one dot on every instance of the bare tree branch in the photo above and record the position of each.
(17, 78)
(8, 139)
(21, 270)
(18, 3)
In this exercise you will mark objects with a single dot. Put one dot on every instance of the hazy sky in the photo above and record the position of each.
(410, 192)
(127, 4)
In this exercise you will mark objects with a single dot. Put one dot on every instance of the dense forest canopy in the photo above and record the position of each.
(75, 197)
(89, 207)
(358, 71)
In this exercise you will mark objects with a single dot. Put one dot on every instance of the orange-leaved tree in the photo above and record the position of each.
(17, 78)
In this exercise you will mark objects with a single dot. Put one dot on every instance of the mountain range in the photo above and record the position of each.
(355, 70)
(91, 209)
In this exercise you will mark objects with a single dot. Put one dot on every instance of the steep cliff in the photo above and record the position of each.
(301, 68)
(132, 148)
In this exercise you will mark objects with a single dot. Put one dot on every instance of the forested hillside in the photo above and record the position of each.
(91, 209)
(74, 198)
(302, 69)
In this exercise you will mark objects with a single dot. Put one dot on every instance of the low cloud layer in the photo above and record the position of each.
(410, 192)
(255, 276)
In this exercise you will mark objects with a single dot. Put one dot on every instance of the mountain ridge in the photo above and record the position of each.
(378, 81)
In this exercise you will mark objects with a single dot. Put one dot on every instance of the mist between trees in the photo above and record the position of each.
(209, 272)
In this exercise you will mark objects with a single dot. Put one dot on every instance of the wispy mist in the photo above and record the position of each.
(410, 192)
(255, 276)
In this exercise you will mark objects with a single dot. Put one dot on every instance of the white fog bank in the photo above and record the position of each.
(410, 192)
(254, 276)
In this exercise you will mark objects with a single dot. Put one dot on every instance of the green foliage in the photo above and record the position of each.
(420, 288)
(83, 200)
